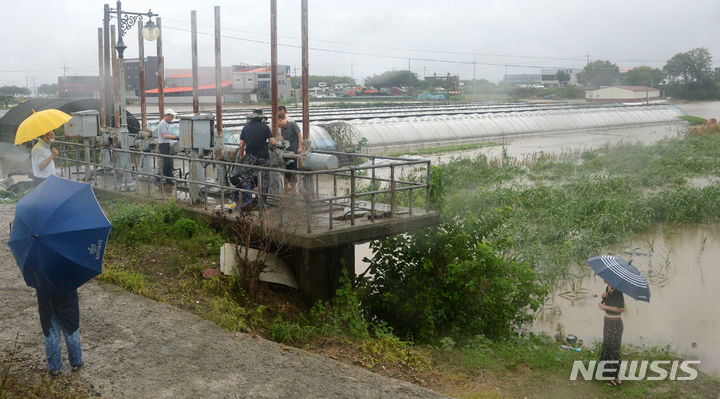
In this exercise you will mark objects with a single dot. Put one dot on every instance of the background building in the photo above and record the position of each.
(522, 79)
(549, 76)
(252, 82)
(623, 94)
(132, 76)
(79, 86)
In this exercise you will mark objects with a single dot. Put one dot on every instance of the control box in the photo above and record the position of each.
(197, 132)
(83, 124)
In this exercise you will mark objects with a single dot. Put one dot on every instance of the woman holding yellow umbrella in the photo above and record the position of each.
(42, 124)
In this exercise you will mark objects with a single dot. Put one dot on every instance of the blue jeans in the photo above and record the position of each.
(52, 346)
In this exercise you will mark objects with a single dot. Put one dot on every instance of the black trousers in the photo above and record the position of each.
(612, 340)
(167, 163)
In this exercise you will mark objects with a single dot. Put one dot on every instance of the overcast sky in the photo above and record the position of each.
(41, 36)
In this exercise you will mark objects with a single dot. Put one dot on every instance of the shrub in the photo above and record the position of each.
(444, 281)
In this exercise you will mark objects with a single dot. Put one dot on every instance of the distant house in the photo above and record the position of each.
(248, 80)
(623, 94)
(79, 86)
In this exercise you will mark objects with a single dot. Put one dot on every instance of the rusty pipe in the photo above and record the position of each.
(141, 73)
(218, 79)
(116, 82)
(193, 41)
(161, 70)
(305, 74)
(273, 67)
(101, 74)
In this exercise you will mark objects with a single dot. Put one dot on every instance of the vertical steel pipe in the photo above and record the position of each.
(108, 66)
(218, 79)
(273, 67)
(161, 71)
(101, 74)
(141, 73)
(193, 41)
(116, 92)
(305, 74)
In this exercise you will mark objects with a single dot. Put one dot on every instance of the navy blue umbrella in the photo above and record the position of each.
(622, 275)
(58, 236)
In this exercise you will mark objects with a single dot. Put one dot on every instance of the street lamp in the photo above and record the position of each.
(125, 21)
(150, 31)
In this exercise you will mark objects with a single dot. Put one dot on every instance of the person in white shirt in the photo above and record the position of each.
(42, 158)
(165, 139)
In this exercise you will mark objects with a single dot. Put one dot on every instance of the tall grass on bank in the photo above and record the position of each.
(553, 211)
(160, 224)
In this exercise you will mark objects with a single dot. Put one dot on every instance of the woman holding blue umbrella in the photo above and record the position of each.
(613, 303)
(58, 239)
(621, 278)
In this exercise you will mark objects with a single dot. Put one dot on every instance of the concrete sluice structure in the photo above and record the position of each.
(316, 227)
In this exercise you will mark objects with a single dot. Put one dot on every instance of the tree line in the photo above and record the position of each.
(687, 75)
(11, 93)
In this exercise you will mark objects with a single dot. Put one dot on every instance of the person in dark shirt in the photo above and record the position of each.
(60, 313)
(253, 150)
(613, 303)
(291, 133)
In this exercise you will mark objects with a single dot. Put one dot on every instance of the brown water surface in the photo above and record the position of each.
(681, 264)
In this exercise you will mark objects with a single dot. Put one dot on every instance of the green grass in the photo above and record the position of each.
(694, 120)
(127, 279)
(449, 148)
(556, 211)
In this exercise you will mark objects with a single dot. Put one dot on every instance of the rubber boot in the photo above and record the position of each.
(247, 196)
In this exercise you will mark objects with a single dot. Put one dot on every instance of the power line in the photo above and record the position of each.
(360, 53)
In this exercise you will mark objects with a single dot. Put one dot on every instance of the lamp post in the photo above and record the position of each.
(126, 20)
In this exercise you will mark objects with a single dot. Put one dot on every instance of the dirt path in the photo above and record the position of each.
(134, 347)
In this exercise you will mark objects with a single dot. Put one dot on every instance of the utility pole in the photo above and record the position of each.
(474, 84)
(352, 72)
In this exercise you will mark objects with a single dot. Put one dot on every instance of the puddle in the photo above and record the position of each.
(685, 296)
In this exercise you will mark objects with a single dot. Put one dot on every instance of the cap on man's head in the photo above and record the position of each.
(170, 111)
(258, 113)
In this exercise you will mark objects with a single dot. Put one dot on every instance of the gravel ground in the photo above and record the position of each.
(135, 347)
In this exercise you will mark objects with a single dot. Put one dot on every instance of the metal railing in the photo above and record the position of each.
(381, 180)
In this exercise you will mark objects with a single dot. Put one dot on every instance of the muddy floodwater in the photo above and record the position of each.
(682, 264)
(683, 268)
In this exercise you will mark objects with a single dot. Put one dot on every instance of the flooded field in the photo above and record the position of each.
(681, 266)
(679, 261)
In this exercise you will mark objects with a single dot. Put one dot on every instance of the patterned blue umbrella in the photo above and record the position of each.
(58, 236)
(622, 275)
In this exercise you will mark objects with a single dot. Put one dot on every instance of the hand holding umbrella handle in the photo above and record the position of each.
(55, 152)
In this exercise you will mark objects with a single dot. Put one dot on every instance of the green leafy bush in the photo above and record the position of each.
(154, 224)
(444, 281)
(184, 228)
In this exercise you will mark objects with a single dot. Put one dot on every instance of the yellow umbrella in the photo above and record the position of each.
(40, 123)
